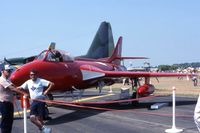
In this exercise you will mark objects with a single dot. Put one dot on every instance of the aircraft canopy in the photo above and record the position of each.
(55, 55)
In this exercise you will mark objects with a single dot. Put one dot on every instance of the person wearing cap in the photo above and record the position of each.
(6, 99)
(36, 87)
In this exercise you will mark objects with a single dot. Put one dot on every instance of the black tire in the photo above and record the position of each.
(135, 103)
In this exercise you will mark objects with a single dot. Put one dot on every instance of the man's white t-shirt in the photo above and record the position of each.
(35, 88)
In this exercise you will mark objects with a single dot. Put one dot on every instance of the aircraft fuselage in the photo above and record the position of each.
(63, 74)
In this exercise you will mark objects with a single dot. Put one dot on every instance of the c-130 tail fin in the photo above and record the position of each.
(103, 43)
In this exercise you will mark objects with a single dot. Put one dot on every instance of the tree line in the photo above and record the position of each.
(176, 66)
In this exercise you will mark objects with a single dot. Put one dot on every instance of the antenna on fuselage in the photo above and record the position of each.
(52, 46)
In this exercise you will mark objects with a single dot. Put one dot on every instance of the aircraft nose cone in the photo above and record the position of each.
(16, 78)
(13, 79)
(19, 76)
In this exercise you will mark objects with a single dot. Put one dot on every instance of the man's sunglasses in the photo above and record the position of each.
(9, 71)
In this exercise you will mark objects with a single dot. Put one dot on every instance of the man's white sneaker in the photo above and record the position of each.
(46, 129)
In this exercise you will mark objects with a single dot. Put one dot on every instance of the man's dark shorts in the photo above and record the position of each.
(37, 108)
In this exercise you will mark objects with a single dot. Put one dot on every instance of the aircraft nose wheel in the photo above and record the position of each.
(136, 102)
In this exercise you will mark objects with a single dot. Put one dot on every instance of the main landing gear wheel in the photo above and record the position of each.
(136, 102)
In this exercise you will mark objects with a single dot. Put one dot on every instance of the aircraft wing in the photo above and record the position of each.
(141, 74)
(19, 60)
(90, 72)
(122, 58)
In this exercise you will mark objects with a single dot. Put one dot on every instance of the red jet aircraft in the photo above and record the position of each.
(68, 73)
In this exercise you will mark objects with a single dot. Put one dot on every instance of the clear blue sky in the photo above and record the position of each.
(166, 31)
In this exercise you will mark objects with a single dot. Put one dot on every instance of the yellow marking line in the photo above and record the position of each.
(90, 98)
(19, 113)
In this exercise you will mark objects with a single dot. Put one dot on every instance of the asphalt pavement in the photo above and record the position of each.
(116, 118)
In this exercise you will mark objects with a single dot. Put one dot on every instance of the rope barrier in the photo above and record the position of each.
(84, 106)
(25, 104)
(115, 110)
(108, 102)
(81, 105)
(97, 103)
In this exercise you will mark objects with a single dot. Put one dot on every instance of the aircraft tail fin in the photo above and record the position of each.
(103, 43)
(116, 56)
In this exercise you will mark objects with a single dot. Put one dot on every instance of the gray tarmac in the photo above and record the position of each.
(124, 118)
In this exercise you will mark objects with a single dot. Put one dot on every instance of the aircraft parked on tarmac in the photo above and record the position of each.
(83, 72)
(101, 47)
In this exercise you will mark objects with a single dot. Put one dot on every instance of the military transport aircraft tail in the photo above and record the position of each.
(103, 43)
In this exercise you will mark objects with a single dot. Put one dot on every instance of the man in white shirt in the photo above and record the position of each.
(36, 87)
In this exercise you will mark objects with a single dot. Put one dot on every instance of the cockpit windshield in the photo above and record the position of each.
(55, 55)
(41, 56)
(66, 56)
